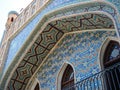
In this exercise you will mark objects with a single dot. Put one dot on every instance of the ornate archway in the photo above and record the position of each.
(103, 50)
(109, 60)
(62, 72)
(77, 17)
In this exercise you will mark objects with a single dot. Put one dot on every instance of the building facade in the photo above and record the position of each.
(62, 45)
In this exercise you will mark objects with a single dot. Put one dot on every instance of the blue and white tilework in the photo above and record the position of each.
(80, 49)
(17, 42)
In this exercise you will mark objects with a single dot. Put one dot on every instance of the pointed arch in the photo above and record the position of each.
(112, 54)
(61, 74)
(104, 46)
(109, 57)
(30, 40)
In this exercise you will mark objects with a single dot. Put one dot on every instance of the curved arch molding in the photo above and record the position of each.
(103, 48)
(47, 35)
(55, 10)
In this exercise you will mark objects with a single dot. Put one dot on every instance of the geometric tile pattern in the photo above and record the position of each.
(31, 60)
(104, 6)
(84, 22)
(79, 49)
(34, 57)
(54, 5)
(46, 41)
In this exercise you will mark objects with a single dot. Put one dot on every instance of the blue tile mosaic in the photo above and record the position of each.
(81, 50)
(17, 42)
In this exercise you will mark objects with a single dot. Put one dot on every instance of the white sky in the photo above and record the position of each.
(10, 5)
